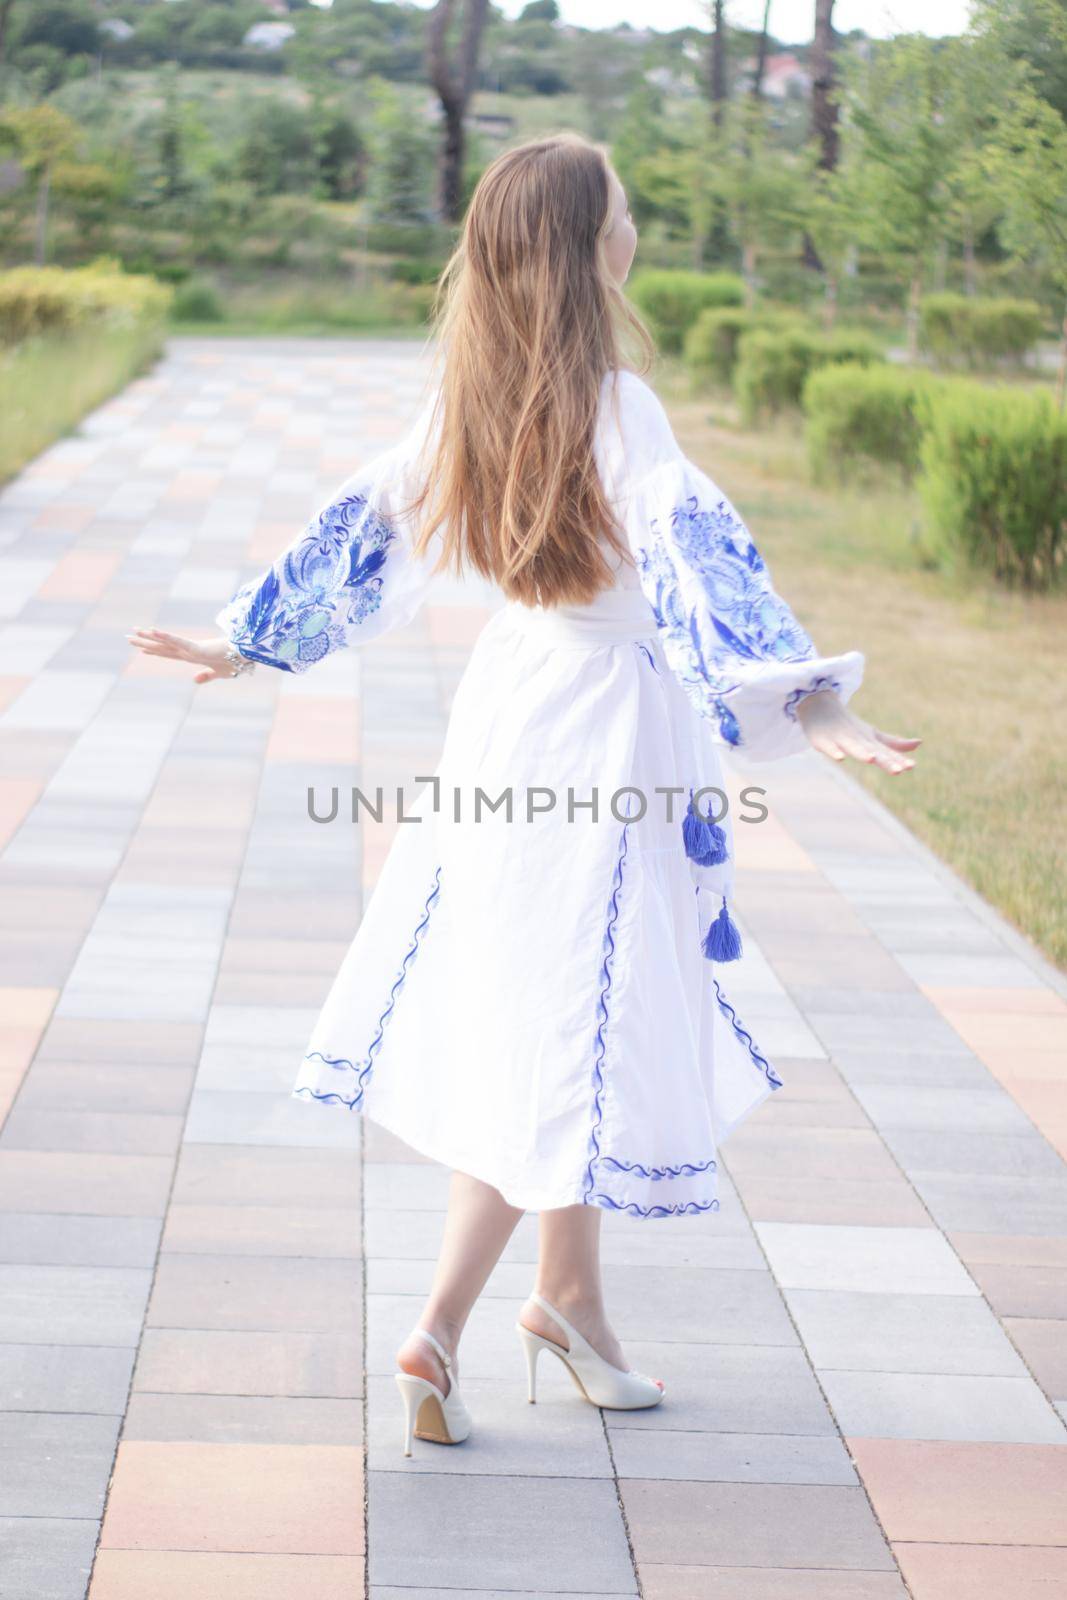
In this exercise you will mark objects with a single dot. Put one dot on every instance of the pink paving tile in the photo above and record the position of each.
(940, 1493)
(80, 575)
(92, 1185)
(18, 796)
(188, 1575)
(64, 517)
(766, 1583)
(310, 729)
(875, 1205)
(30, 1008)
(1010, 1249)
(1042, 1343)
(190, 485)
(980, 1572)
(268, 538)
(289, 1499)
(1012, 1033)
(985, 1001)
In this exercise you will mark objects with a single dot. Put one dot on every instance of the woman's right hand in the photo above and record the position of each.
(209, 654)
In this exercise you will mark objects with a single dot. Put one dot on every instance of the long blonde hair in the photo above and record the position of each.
(528, 323)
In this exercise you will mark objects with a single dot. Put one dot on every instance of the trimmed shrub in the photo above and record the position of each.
(36, 300)
(773, 365)
(858, 415)
(994, 480)
(960, 328)
(672, 301)
(196, 301)
(710, 346)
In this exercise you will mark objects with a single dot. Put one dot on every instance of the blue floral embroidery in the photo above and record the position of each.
(801, 694)
(742, 620)
(366, 1069)
(686, 1170)
(302, 609)
(746, 1038)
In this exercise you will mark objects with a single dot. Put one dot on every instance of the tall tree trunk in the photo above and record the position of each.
(5, 17)
(454, 84)
(970, 266)
(823, 105)
(915, 289)
(1061, 375)
(761, 53)
(41, 232)
(748, 270)
(717, 64)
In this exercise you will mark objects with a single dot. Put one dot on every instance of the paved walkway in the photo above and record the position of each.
(202, 1281)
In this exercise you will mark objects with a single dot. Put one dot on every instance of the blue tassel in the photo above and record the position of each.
(723, 942)
(705, 842)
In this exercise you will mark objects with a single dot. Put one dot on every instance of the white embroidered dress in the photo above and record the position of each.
(534, 999)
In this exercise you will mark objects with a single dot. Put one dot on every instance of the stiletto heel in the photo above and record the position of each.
(596, 1379)
(429, 1413)
(532, 1346)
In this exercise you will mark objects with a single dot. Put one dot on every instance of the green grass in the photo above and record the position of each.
(973, 669)
(47, 384)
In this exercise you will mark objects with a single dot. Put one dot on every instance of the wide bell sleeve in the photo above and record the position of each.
(733, 643)
(349, 575)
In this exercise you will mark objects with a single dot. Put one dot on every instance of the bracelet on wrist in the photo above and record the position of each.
(237, 661)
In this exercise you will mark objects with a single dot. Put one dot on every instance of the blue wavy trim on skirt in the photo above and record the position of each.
(367, 1069)
(746, 1038)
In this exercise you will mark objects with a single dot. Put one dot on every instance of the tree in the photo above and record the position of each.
(757, 185)
(454, 83)
(903, 156)
(44, 138)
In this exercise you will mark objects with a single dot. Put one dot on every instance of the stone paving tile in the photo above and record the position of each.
(753, 1525)
(729, 1457)
(248, 1362)
(101, 1185)
(71, 1241)
(54, 1465)
(868, 1260)
(271, 1294)
(72, 1305)
(766, 1583)
(980, 1494)
(195, 1575)
(921, 1333)
(1043, 1343)
(232, 1175)
(42, 1377)
(289, 1499)
(46, 1558)
(262, 1230)
(587, 1548)
(117, 1133)
(965, 1572)
(244, 1419)
(911, 1405)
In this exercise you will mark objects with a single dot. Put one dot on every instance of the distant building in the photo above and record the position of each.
(269, 35)
(115, 28)
(783, 75)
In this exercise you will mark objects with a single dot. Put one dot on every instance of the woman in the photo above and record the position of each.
(533, 997)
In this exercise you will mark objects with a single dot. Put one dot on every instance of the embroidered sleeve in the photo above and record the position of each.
(733, 643)
(349, 575)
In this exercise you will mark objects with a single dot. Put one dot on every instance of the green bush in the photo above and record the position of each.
(35, 300)
(994, 479)
(196, 301)
(672, 301)
(956, 328)
(773, 364)
(857, 415)
(710, 346)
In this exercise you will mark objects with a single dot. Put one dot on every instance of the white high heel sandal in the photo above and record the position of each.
(600, 1382)
(428, 1413)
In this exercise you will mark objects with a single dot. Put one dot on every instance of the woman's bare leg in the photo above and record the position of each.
(568, 1276)
(478, 1225)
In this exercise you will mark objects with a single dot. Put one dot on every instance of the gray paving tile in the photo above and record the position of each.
(991, 1110)
(120, 1133)
(671, 1582)
(54, 1465)
(975, 1154)
(46, 1558)
(42, 1377)
(244, 1419)
(918, 1333)
(729, 1457)
(753, 1525)
(913, 1405)
(71, 1241)
(480, 1523)
(72, 1305)
(872, 1260)
(997, 1205)
(724, 1388)
(265, 1293)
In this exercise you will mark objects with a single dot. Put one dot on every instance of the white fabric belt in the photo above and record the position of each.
(616, 616)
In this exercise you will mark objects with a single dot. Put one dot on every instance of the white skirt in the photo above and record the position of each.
(527, 998)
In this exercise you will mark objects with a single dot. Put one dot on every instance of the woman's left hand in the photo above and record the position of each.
(833, 730)
(211, 655)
